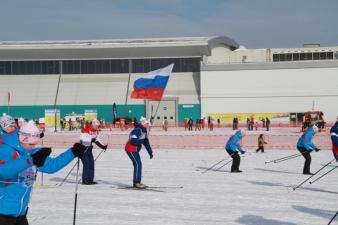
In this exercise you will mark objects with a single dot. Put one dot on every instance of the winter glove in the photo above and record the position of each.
(39, 157)
(42, 135)
(243, 152)
(151, 155)
(317, 149)
(78, 150)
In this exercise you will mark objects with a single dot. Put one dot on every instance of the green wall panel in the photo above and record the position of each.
(189, 110)
(104, 111)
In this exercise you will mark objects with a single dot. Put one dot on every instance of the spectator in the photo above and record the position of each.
(267, 123)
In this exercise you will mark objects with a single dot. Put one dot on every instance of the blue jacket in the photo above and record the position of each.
(11, 139)
(233, 144)
(334, 134)
(139, 136)
(305, 141)
(17, 175)
(334, 139)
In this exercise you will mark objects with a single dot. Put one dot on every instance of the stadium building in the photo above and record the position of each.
(212, 76)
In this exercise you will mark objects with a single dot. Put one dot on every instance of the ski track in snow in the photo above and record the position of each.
(261, 195)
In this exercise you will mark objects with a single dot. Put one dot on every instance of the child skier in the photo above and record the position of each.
(233, 147)
(18, 170)
(90, 131)
(261, 143)
(137, 137)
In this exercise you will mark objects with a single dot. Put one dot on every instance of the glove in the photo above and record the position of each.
(105, 147)
(78, 150)
(151, 155)
(317, 149)
(42, 135)
(243, 152)
(39, 157)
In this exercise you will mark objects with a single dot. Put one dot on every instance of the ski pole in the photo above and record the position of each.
(281, 158)
(76, 188)
(64, 179)
(333, 218)
(103, 150)
(224, 164)
(213, 165)
(313, 175)
(311, 182)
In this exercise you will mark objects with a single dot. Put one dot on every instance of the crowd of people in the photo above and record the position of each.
(21, 159)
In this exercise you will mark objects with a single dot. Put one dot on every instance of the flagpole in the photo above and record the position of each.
(8, 102)
(130, 66)
(56, 95)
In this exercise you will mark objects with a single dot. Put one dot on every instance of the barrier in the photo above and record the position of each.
(178, 139)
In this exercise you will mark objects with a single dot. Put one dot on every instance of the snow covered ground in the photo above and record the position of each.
(261, 195)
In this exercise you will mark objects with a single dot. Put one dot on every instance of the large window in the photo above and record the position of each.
(302, 56)
(98, 66)
(29, 67)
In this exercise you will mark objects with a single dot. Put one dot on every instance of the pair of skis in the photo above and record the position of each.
(150, 188)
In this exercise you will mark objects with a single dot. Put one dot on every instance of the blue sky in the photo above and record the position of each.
(252, 23)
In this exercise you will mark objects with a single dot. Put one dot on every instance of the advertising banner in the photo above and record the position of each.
(90, 114)
(228, 117)
(50, 119)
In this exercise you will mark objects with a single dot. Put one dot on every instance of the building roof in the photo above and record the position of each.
(113, 48)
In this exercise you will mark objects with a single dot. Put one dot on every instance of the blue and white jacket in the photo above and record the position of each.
(305, 141)
(137, 137)
(334, 139)
(234, 143)
(17, 176)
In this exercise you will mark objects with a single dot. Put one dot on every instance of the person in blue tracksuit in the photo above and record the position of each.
(233, 147)
(305, 146)
(18, 170)
(9, 131)
(334, 139)
(138, 137)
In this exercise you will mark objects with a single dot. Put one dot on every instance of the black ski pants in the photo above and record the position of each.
(307, 156)
(236, 160)
(11, 220)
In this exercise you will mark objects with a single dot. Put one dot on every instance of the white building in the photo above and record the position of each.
(211, 76)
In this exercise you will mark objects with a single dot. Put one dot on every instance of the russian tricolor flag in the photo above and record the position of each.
(151, 85)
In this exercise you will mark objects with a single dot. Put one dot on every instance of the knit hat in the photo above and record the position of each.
(7, 121)
(29, 133)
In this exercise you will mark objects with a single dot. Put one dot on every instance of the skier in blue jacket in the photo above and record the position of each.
(334, 139)
(305, 146)
(18, 170)
(9, 131)
(138, 137)
(233, 147)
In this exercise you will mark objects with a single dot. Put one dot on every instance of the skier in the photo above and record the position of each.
(90, 133)
(233, 146)
(18, 171)
(261, 143)
(9, 131)
(305, 147)
(334, 139)
(137, 137)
